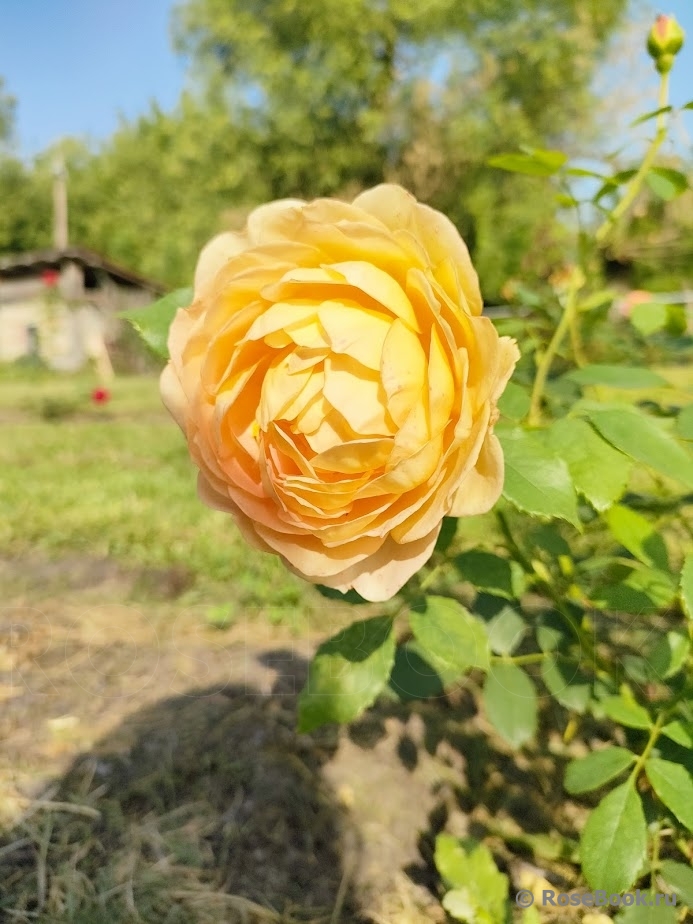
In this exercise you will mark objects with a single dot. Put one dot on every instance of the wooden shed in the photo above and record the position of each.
(61, 305)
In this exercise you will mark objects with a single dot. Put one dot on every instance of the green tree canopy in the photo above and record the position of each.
(326, 98)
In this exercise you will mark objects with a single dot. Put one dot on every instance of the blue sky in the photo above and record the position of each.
(75, 66)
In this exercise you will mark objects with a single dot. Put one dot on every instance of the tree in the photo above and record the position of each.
(7, 108)
(344, 93)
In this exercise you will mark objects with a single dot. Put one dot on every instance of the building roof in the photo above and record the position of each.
(13, 265)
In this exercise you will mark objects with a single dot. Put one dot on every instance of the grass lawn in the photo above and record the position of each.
(115, 481)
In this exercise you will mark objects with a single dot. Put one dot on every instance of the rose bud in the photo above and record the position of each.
(664, 42)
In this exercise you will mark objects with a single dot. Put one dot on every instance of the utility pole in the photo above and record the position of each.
(60, 231)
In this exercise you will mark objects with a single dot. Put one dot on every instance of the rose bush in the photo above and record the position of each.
(337, 385)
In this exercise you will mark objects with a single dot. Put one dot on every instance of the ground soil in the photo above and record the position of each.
(152, 757)
(152, 723)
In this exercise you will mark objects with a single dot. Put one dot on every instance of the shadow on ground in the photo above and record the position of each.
(203, 806)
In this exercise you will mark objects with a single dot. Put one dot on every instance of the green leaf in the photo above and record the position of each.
(642, 439)
(491, 573)
(596, 769)
(643, 591)
(566, 202)
(479, 889)
(446, 534)
(684, 423)
(617, 376)
(673, 783)
(538, 163)
(152, 323)
(536, 480)
(530, 916)
(669, 655)
(347, 673)
(688, 105)
(599, 471)
(414, 677)
(679, 877)
(666, 183)
(579, 171)
(449, 635)
(653, 911)
(650, 115)
(514, 402)
(677, 320)
(626, 712)
(597, 300)
(638, 535)
(614, 841)
(686, 587)
(649, 317)
(613, 182)
(506, 630)
(351, 596)
(680, 732)
(567, 684)
(510, 700)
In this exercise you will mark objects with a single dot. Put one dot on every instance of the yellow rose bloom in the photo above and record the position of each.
(337, 385)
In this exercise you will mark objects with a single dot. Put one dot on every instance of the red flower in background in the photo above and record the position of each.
(100, 395)
(50, 277)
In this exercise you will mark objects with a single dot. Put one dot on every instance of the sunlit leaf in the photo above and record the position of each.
(626, 712)
(666, 183)
(538, 163)
(510, 701)
(686, 587)
(684, 423)
(649, 317)
(597, 300)
(673, 783)
(536, 480)
(643, 591)
(567, 684)
(449, 635)
(679, 876)
(642, 439)
(650, 910)
(614, 841)
(506, 630)
(680, 732)
(478, 889)
(650, 115)
(599, 471)
(514, 402)
(347, 673)
(596, 769)
(490, 573)
(668, 656)
(617, 376)
(152, 323)
(638, 535)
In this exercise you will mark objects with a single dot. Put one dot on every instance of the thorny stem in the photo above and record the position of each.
(652, 740)
(569, 319)
(546, 361)
(635, 184)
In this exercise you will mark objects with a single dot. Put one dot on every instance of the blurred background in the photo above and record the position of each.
(172, 119)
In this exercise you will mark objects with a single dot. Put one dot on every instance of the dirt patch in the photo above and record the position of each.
(150, 770)
(154, 761)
